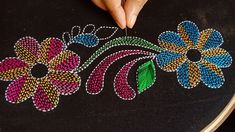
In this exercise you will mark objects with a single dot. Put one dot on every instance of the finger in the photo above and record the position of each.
(100, 4)
(132, 9)
(116, 10)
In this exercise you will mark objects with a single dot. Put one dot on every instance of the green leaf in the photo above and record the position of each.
(146, 76)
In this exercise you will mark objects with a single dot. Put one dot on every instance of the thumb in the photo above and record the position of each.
(132, 9)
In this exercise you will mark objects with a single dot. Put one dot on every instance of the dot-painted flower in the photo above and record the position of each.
(194, 55)
(42, 72)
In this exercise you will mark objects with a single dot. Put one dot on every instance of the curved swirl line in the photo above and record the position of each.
(128, 40)
(95, 82)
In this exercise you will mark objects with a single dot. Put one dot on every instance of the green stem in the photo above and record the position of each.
(128, 40)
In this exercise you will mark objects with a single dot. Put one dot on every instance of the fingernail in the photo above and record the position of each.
(120, 25)
(121, 21)
(132, 21)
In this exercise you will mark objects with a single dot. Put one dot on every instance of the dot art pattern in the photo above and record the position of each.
(190, 73)
(64, 66)
(44, 91)
(95, 81)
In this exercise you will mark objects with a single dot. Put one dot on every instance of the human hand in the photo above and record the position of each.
(123, 12)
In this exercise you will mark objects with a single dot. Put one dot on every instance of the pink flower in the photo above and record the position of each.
(59, 78)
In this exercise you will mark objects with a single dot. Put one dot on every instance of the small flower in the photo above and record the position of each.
(194, 55)
(43, 87)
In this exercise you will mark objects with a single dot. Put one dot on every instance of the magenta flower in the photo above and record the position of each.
(43, 72)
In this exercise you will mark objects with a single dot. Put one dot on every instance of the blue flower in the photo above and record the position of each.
(194, 55)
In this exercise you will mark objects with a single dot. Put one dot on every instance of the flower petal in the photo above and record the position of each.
(46, 97)
(188, 75)
(210, 38)
(212, 76)
(218, 56)
(50, 48)
(21, 89)
(110, 31)
(66, 83)
(65, 61)
(121, 86)
(170, 61)
(189, 32)
(27, 49)
(12, 68)
(88, 40)
(172, 41)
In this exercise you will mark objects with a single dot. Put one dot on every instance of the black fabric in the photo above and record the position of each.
(166, 106)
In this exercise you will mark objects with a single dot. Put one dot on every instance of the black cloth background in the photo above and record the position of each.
(164, 107)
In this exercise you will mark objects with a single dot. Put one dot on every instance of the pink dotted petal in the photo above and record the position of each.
(66, 83)
(121, 86)
(50, 48)
(20, 89)
(65, 61)
(12, 68)
(46, 97)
